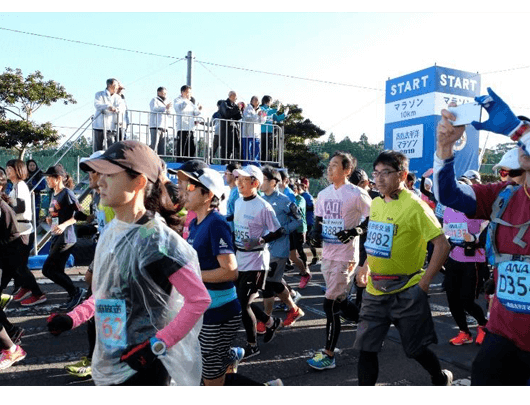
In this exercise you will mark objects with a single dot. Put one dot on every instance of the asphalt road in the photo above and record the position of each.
(284, 357)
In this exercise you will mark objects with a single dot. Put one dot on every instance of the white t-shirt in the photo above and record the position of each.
(253, 219)
(340, 209)
(21, 191)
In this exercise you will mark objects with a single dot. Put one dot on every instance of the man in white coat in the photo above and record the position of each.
(160, 108)
(104, 126)
(186, 112)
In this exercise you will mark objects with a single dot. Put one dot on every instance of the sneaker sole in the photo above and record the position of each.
(84, 375)
(294, 321)
(23, 297)
(274, 334)
(461, 344)
(34, 303)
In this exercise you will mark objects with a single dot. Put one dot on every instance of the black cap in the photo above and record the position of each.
(55, 171)
(357, 176)
(189, 167)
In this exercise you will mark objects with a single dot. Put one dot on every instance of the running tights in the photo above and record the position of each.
(368, 367)
(332, 310)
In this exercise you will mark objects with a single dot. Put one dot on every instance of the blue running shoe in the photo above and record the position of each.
(321, 361)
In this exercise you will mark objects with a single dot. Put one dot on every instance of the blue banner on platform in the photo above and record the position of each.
(413, 110)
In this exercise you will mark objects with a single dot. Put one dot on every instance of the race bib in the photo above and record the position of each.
(331, 226)
(241, 233)
(513, 286)
(439, 210)
(456, 231)
(111, 323)
(379, 239)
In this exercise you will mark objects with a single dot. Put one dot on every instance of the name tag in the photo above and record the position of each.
(456, 231)
(379, 239)
(111, 323)
(513, 286)
(439, 210)
(331, 226)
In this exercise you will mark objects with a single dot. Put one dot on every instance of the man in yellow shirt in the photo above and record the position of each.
(400, 226)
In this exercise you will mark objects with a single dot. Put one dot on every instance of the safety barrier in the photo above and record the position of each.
(182, 137)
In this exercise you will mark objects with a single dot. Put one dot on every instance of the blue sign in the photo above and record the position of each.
(413, 110)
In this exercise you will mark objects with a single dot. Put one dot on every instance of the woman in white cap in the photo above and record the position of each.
(148, 296)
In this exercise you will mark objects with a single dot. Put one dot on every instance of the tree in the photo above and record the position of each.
(19, 98)
(298, 156)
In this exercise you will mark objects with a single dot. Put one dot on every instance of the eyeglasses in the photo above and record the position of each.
(511, 173)
(384, 173)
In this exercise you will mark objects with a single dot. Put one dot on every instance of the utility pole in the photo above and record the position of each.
(190, 68)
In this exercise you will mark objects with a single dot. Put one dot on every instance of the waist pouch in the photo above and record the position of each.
(391, 282)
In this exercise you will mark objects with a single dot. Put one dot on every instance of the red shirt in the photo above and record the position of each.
(512, 325)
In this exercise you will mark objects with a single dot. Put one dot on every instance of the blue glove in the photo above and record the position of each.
(501, 119)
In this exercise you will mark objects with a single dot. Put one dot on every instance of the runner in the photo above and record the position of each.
(462, 272)
(289, 218)
(504, 356)
(143, 273)
(400, 226)
(63, 206)
(310, 218)
(341, 208)
(255, 226)
(210, 236)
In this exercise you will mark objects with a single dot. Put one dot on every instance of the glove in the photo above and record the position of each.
(59, 323)
(315, 237)
(347, 235)
(489, 286)
(501, 118)
(139, 357)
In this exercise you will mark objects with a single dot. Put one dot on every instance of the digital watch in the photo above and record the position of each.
(158, 346)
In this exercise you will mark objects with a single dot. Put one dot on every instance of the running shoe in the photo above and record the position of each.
(297, 297)
(22, 293)
(7, 359)
(449, 377)
(274, 383)
(292, 316)
(33, 300)
(251, 351)
(5, 299)
(75, 300)
(321, 361)
(462, 338)
(260, 328)
(304, 280)
(271, 332)
(315, 261)
(81, 369)
(481, 334)
(236, 354)
(289, 267)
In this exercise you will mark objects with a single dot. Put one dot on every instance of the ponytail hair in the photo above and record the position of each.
(157, 199)
(68, 181)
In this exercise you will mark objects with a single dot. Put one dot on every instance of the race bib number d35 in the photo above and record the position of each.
(513, 286)
(111, 323)
(379, 239)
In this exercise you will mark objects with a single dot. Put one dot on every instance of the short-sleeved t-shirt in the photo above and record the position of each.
(502, 321)
(398, 232)
(253, 218)
(211, 238)
(62, 207)
(340, 209)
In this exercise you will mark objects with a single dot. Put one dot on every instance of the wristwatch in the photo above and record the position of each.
(158, 346)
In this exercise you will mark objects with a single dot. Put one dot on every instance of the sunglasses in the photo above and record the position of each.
(511, 173)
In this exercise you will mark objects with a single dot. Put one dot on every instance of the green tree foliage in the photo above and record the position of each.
(19, 99)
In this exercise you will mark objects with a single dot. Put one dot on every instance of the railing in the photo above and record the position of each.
(177, 136)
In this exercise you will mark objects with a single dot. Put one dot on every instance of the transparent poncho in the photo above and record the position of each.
(131, 307)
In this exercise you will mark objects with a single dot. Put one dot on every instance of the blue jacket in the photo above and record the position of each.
(272, 117)
(289, 218)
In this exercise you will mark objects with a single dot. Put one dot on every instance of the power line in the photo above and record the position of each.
(202, 62)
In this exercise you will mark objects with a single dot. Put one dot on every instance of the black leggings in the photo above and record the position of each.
(154, 375)
(24, 277)
(248, 283)
(332, 309)
(460, 287)
(54, 265)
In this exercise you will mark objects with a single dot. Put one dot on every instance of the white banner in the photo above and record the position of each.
(409, 141)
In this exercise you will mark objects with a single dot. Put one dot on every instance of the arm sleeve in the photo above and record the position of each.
(83, 312)
(273, 235)
(19, 206)
(196, 301)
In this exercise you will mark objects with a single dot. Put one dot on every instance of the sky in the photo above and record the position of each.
(341, 58)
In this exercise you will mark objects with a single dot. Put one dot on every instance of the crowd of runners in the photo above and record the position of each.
(175, 275)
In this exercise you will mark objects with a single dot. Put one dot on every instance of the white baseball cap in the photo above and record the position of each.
(472, 174)
(209, 178)
(250, 171)
(509, 160)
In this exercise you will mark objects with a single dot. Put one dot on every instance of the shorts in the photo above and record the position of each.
(276, 269)
(337, 277)
(408, 310)
(216, 340)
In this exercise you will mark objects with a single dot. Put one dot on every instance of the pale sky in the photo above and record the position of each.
(347, 55)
